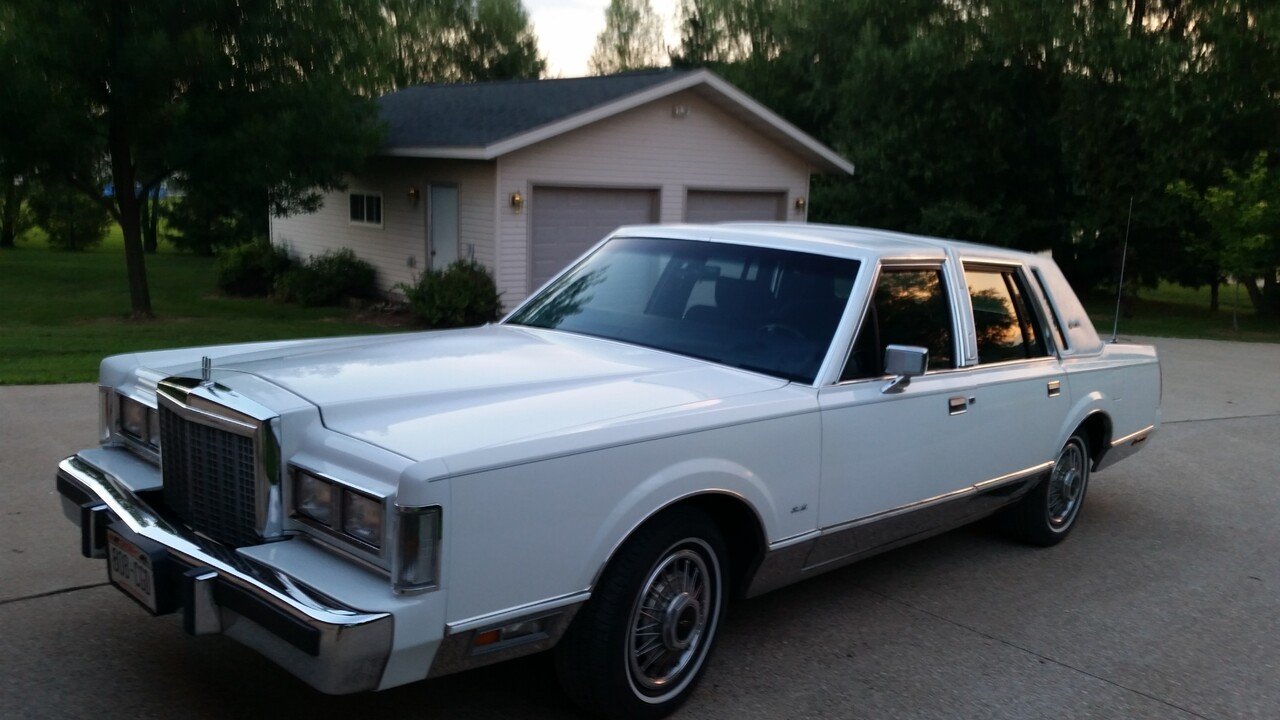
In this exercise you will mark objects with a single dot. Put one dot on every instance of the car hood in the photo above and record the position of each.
(434, 394)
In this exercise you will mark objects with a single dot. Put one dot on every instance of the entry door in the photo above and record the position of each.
(1022, 394)
(442, 233)
(894, 454)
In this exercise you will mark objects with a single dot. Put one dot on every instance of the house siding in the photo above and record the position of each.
(403, 231)
(646, 147)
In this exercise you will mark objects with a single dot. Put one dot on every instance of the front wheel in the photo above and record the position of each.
(1046, 514)
(638, 646)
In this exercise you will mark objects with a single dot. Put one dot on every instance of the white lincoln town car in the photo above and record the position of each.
(687, 415)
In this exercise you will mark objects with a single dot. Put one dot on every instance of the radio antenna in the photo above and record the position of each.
(1124, 255)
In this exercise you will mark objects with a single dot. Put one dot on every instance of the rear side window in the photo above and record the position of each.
(909, 307)
(1007, 329)
(1055, 322)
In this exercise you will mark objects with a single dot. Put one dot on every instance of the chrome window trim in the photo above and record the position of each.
(222, 408)
(1052, 309)
(1018, 269)
(966, 368)
(939, 264)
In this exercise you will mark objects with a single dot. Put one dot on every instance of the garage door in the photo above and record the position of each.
(724, 206)
(568, 221)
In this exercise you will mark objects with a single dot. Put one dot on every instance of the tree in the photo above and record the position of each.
(1243, 218)
(459, 41)
(259, 93)
(722, 31)
(631, 39)
(498, 44)
(15, 155)
(1028, 124)
(71, 221)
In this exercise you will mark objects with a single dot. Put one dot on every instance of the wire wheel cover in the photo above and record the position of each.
(1066, 485)
(673, 618)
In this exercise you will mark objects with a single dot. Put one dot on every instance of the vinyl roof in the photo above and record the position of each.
(833, 239)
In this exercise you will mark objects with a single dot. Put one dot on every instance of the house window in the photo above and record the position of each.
(366, 209)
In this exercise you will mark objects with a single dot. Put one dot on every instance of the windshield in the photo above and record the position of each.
(771, 311)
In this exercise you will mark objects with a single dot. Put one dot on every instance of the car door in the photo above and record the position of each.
(1021, 397)
(889, 458)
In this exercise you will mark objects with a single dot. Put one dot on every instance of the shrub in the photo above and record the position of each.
(461, 295)
(70, 220)
(328, 279)
(252, 269)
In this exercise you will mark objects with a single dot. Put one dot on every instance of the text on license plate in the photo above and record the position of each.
(129, 569)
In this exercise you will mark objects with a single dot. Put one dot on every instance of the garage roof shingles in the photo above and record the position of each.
(480, 114)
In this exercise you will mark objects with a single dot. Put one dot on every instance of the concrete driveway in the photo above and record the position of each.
(1163, 604)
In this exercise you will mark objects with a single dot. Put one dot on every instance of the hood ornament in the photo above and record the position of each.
(206, 370)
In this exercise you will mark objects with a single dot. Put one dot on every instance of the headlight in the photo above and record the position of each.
(362, 518)
(313, 497)
(341, 510)
(416, 566)
(139, 422)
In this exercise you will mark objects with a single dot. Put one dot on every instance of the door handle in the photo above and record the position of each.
(958, 404)
(1055, 388)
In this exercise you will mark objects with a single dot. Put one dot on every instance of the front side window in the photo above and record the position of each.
(909, 307)
(762, 309)
(366, 209)
(1006, 327)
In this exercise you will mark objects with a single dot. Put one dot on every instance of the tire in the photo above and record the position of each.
(1046, 515)
(618, 660)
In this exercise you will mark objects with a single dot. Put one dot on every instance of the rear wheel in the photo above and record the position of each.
(1046, 514)
(639, 645)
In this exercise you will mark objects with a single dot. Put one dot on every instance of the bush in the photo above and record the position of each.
(461, 295)
(70, 220)
(252, 269)
(328, 279)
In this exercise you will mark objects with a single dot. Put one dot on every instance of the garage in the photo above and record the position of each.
(703, 206)
(569, 220)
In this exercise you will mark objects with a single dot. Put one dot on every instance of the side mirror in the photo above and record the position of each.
(903, 362)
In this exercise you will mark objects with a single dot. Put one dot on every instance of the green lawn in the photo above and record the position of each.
(1175, 311)
(62, 312)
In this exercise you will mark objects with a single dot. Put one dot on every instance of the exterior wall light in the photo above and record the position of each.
(680, 111)
(800, 204)
(517, 201)
(413, 194)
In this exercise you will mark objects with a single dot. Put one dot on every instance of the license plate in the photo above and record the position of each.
(129, 568)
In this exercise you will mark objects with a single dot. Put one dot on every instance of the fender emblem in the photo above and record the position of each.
(800, 508)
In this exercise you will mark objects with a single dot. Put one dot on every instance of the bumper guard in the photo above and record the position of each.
(333, 648)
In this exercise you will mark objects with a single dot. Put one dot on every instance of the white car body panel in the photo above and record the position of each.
(546, 449)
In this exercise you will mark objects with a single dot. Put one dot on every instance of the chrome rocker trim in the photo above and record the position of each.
(333, 648)
(839, 545)
(1122, 448)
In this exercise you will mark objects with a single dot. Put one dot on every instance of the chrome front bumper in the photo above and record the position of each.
(333, 648)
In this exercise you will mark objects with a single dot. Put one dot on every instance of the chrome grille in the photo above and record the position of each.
(209, 478)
